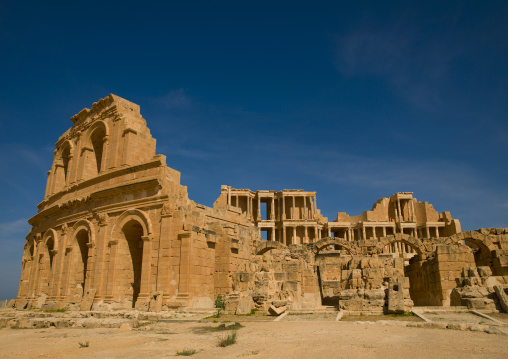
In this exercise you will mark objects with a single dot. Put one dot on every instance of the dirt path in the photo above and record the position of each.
(311, 339)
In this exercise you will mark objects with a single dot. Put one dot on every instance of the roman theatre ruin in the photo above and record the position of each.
(117, 230)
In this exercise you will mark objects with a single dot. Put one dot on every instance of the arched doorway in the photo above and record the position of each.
(406, 252)
(331, 255)
(46, 265)
(130, 259)
(79, 265)
(482, 253)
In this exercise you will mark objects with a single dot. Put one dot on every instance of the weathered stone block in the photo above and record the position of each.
(272, 310)
(374, 294)
(291, 286)
(280, 276)
(484, 272)
(373, 273)
(245, 305)
(86, 303)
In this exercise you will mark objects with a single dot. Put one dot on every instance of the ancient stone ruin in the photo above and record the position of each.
(117, 230)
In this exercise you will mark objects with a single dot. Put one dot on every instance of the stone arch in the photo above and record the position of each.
(82, 240)
(86, 225)
(325, 242)
(130, 248)
(47, 253)
(133, 214)
(411, 241)
(27, 266)
(268, 245)
(62, 166)
(94, 150)
(481, 245)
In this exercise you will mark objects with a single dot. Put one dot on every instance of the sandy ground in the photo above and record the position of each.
(290, 339)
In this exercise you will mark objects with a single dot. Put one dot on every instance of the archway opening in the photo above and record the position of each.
(66, 153)
(332, 259)
(482, 254)
(82, 240)
(133, 231)
(46, 266)
(97, 139)
(406, 264)
(50, 244)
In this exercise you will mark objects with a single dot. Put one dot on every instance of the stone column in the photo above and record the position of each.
(60, 263)
(90, 263)
(48, 185)
(272, 234)
(105, 153)
(145, 286)
(53, 272)
(166, 234)
(427, 231)
(293, 214)
(109, 284)
(284, 234)
(384, 231)
(100, 268)
(229, 195)
(129, 138)
(185, 256)
(248, 206)
(75, 158)
(437, 232)
(329, 232)
(259, 208)
(272, 209)
(400, 212)
(35, 266)
(364, 233)
(306, 236)
(283, 207)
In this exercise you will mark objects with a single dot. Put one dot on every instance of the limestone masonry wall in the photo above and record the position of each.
(117, 230)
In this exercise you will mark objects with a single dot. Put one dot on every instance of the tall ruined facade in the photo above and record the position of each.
(116, 230)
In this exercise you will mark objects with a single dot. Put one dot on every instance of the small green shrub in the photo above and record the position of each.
(219, 302)
(227, 340)
(186, 352)
(56, 310)
(220, 328)
(405, 314)
(252, 312)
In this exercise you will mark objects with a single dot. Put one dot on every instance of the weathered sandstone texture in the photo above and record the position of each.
(116, 230)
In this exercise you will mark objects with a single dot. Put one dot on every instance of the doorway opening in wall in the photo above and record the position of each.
(264, 211)
(482, 253)
(264, 234)
(81, 260)
(405, 264)
(133, 232)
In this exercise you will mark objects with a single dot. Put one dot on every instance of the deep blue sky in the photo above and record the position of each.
(354, 101)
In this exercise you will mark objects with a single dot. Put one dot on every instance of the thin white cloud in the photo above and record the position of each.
(416, 67)
(175, 99)
(16, 228)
